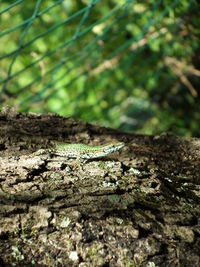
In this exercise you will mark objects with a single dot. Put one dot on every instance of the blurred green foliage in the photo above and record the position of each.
(131, 65)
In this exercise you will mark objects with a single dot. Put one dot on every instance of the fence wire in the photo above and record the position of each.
(74, 56)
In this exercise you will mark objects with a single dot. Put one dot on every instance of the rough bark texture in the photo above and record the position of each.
(139, 207)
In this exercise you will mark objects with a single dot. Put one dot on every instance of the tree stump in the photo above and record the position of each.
(137, 207)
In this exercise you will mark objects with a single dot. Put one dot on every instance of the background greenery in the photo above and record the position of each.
(131, 65)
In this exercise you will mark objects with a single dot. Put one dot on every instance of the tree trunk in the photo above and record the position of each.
(137, 207)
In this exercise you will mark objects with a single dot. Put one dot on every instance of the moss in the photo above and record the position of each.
(92, 252)
(114, 198)
(119, 221)
(17, 254)
(102, 164)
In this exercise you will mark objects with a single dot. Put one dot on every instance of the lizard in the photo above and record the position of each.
(81, 151)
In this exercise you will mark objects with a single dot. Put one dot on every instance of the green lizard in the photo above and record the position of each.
(82, 151)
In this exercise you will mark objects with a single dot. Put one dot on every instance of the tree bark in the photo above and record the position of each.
(137, 207)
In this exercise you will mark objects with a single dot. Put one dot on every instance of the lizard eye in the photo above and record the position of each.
(108, 149)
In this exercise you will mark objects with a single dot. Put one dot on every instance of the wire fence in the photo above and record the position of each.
(83, 58)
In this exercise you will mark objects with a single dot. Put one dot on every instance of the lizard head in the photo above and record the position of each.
(115, 146)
